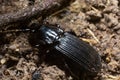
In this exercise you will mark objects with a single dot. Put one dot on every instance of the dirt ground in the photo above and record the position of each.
(94, 21)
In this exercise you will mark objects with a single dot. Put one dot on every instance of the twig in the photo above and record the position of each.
(93, 35)
(45, 8)
(93, 41)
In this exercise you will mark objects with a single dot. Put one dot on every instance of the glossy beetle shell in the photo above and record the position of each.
(72, 47)
(80, 52)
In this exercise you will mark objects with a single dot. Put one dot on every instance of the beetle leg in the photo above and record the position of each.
(71, 72)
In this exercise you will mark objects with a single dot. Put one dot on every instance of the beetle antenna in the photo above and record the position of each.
(16, 30)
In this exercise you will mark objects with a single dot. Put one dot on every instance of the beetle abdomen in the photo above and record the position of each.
(80, 52)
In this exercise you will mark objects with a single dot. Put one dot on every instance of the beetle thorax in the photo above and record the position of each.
(50, 35)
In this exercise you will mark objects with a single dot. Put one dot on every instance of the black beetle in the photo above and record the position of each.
(78, 51)
(81, 56)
